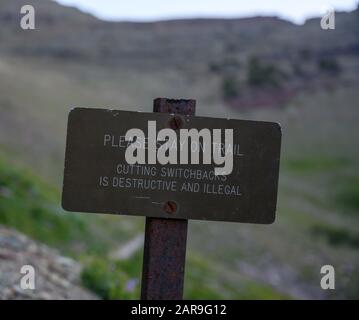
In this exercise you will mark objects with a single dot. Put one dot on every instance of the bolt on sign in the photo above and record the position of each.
(171, 166)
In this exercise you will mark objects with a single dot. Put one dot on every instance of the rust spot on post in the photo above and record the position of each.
(170, 207)
(179, 106)
(176, 122)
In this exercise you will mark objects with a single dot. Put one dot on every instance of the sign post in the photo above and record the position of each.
(165, 239)
(108, 171)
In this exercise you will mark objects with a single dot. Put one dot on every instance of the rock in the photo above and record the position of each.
(56, 276)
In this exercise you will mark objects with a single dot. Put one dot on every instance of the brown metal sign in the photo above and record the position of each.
(98, 178)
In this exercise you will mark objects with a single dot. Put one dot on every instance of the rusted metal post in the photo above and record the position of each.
(165, 239)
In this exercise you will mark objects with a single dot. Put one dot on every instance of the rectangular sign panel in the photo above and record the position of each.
(99, 179)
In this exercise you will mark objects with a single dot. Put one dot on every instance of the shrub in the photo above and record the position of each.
(260, 74)
(230, 87)
(109, 280)
(336, 236)
(329, 65)
(348, 195)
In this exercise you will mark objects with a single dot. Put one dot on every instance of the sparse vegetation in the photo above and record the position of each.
(347, 195)
(260, 74)
(110, 281)
(230, 87)
(226, 66)
(29, 205)
(329, 65)
(336, 236)
(32, 207)
(315, 164)
(202, 281)
(121, 280)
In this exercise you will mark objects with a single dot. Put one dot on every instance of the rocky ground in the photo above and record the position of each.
(56, 277)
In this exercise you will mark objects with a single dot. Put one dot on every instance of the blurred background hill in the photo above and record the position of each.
(262, 68)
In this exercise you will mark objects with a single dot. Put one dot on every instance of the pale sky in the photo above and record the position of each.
(149, 10)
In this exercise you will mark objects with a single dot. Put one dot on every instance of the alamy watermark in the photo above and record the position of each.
(328, 279)
(191, 146)
(27, 281)
(328, 19)
(27, 21)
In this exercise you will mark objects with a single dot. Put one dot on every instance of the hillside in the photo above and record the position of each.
(255, 68)
(74, 59)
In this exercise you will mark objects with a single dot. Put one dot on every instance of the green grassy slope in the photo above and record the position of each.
(36, 96)
(317, 216)
(31, 206)
(318, 213)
